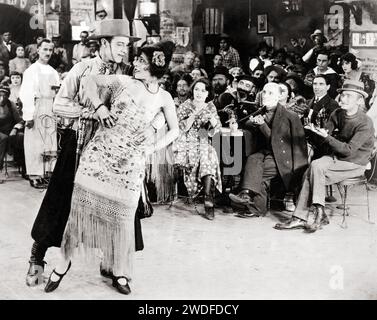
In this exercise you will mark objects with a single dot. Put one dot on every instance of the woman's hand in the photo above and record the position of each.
(105, 117)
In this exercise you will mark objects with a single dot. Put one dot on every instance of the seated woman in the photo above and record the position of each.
(193, 151)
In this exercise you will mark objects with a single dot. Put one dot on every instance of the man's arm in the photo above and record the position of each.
(64, 103)
(346, 149)
(27, 95)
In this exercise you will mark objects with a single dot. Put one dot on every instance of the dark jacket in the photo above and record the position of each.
(6, 55)
(289, 147)
(326, 103)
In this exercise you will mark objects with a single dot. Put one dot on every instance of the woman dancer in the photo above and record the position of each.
(112, 166)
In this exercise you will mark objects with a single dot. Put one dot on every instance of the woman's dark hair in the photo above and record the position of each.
(207, 86)
(159, 61)
(349, 57)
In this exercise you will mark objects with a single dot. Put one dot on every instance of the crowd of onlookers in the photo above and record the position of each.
(232, 90)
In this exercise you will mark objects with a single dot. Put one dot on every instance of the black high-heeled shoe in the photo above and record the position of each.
(122, 288)
(52, 285)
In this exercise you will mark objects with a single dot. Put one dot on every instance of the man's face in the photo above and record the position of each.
(189, 59)
(15, 80)
(257, 73)
(245, 88)
(349, 100)
(293, 84)
(2, 72)
(84, 37)
(217, 60)
(20, 52)
(263, 53)
(3, 98)
(45, 51)
(224, 45)
(196, 74)
(119, 49)
(322, 62)
(320, 88)
(219, 83)
(182, 88)
(7, 37)
(39, 39)
(273, 77)
(270, 95)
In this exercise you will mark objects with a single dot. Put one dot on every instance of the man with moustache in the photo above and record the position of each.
(49, 225)
(241, 102)
(37, 93)
(349, 136)
(220, 82)
(282, 153)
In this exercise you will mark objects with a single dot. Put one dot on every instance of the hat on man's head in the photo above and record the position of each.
(111, 28)
(222, 70)
(5, 89)
(224, 36)
(318, 32)
(354, 85)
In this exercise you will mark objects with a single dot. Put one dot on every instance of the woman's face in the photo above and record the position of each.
(200, 93)
(196, 63)
(346, 66)
(141, 67)
(20, 52)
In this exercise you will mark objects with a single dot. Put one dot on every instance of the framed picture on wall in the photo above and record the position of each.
(262, 23)
(269, 40)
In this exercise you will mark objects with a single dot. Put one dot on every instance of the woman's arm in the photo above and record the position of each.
(172, 121)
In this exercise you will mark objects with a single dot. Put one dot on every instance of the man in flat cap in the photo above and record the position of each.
(349, 151)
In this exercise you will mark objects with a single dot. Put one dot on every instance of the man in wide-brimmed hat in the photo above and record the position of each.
(319, 41)
(348, 154)
(113, 36)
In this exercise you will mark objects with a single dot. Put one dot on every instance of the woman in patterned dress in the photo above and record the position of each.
(112, 166)
(198, 120)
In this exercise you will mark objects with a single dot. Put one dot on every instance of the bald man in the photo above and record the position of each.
(282, 152)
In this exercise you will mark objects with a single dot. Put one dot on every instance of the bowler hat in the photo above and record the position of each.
(111, 28)
(318, 32)
(354, 85)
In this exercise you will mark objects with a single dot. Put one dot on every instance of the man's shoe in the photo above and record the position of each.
(243, 197)
(105, 273)
(34, 275)
(122, 288)
(330, 199)
(53, 285)
(209, 213)
(294, 223)
(247, 214)
(321, 219)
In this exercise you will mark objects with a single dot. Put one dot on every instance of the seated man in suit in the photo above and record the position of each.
(348, 153)
(283, 153)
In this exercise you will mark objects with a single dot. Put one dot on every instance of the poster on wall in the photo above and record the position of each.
(334, 25)
(82, 16)
(183, 36)
(52, 28)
